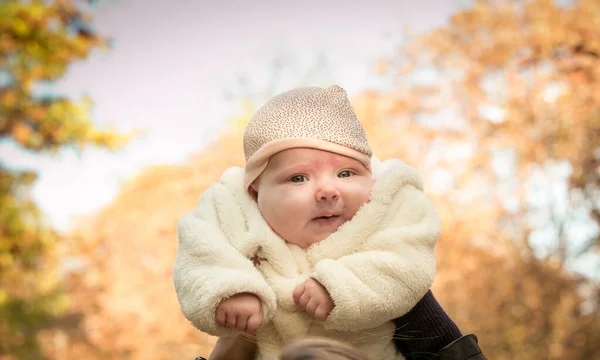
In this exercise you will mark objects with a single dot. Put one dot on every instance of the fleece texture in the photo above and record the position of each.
(376, 266)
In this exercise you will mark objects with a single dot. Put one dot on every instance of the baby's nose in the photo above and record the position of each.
(327, 192)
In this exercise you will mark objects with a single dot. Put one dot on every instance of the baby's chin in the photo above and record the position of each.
(314, 239)
(313, 234)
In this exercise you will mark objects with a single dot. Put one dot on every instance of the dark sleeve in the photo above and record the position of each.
(464, 348)
(427, 332)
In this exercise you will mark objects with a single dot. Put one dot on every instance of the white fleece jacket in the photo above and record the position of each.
(375, 267)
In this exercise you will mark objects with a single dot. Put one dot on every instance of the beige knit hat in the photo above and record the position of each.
(308, 117)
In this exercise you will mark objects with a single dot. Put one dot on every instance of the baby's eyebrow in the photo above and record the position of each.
(293, 167)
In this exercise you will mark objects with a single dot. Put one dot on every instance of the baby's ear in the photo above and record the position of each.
(252, 192)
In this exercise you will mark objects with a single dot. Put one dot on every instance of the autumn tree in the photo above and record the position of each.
(38, 42)
(521, 77)
(510, 90)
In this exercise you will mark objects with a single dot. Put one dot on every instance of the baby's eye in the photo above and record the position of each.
(298, 178)
(345, 174)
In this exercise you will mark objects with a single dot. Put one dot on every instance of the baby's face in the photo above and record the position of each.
(306, 194)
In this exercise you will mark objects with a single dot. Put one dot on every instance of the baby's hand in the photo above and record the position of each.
(314, 299)
(242, 312)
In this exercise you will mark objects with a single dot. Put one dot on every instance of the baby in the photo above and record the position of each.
(315, 237)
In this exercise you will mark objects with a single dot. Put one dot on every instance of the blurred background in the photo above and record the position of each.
(115, 115)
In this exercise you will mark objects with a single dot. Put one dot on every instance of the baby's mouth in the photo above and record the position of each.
(326, 219)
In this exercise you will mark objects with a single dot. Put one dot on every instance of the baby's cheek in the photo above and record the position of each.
(364, 192)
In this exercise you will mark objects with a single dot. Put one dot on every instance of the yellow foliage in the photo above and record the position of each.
(38, 41)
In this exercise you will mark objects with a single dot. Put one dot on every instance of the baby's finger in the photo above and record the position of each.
(298, 292)
(304, 299)
(231, 320)
(241, 323)
(321, 313)
(260, 313)
(254, 322)
(312, 306)
(220, 317)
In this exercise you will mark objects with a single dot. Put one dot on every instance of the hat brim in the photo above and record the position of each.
(258, 162)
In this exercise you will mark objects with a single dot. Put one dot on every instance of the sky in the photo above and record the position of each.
(171, 62)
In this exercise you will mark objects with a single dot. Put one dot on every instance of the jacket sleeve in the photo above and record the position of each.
(465, 348)
(391, 272)
(208, 269)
